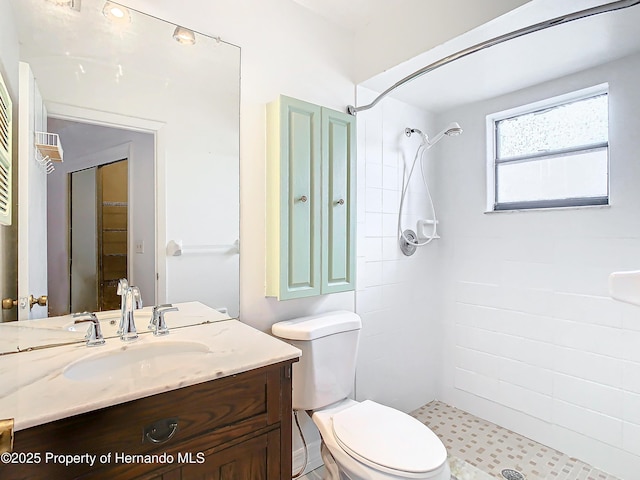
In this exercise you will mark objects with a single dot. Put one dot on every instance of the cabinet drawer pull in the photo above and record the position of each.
(303, 199)
(161, 431)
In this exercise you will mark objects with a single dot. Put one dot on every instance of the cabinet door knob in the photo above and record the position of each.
(340, 202)
(303, 199)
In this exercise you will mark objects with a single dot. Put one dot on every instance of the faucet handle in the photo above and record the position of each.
(94, 333)
(158, 323)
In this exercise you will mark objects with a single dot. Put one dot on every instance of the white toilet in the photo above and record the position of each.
(361, 440)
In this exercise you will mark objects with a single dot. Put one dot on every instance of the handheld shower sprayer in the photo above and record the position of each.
(409, 241)
(452, 130)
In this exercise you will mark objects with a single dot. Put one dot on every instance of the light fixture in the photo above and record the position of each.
(74, 4)
(184, 36)
(116, 13)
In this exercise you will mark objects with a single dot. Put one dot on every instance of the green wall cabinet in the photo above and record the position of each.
(311, 168)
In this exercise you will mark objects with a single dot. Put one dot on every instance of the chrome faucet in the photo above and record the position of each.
(94, 333)
(158, 323)
(123, 285)
(132, 302)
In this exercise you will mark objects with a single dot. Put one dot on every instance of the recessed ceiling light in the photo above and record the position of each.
(116, 13)
(184, 36)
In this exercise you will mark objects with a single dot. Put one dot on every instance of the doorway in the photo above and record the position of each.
(126, 246)
(98, 198)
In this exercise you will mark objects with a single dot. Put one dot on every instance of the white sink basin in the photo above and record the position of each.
(135, 361)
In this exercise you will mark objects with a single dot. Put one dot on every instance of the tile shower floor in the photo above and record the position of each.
(480, 450)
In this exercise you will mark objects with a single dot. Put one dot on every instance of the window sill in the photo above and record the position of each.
(547, 209)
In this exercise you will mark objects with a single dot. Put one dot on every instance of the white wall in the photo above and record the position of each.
(532, 339)
(397, 296)
(410, 27)
(9, 49)
(86, 146)
(285, 50)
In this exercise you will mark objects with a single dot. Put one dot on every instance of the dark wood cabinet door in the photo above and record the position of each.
(254, 459)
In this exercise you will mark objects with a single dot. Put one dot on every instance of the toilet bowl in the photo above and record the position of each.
(361, 440)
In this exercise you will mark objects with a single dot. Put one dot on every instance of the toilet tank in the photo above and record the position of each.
(326, 371)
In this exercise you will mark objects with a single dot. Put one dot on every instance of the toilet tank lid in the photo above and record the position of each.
(317, 326)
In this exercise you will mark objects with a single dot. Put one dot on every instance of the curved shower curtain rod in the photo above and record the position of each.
(608, 7)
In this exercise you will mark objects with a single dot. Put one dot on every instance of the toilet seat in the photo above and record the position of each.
(388, 440)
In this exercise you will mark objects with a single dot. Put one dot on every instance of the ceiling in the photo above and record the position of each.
(349, 14)
(519, 63)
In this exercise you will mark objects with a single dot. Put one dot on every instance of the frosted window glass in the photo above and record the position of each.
(570, 176)
(576, 124)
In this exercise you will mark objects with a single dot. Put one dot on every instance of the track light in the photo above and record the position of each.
(184, 36)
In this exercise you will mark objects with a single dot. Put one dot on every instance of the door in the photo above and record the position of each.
(338, 196)
(84, 265)
(32, 199)
(294, 190)
(255, 459)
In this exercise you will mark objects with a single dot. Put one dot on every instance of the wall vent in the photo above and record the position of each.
(5, 154)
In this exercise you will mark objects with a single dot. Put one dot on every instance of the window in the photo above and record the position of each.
(551, 156)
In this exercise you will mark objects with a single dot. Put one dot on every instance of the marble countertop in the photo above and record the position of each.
(35, 389)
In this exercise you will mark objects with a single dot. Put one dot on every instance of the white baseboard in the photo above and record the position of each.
(314, 461)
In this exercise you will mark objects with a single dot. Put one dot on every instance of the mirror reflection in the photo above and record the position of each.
(145, 115)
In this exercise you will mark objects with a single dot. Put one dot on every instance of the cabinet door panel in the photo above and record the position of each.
(338, 214)
(303, 199)
(247, 460)
(300, 204)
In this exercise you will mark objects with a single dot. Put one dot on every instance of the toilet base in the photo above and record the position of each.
(331, 469)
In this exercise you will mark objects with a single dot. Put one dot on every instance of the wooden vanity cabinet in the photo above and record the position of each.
(233, 428)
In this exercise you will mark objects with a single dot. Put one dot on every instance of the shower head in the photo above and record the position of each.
(452, 130)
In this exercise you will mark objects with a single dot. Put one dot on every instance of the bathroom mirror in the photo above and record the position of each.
(121, 85)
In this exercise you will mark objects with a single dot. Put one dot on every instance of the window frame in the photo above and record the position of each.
(493, 162)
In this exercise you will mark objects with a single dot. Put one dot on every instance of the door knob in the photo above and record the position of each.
(8, 303)
(41, 300)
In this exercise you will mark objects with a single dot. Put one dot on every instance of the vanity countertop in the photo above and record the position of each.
(34, 389)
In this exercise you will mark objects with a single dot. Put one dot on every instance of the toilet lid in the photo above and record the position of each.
(388, 439)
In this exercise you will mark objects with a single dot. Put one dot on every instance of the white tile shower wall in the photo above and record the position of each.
(533, 340)
(396, 295)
